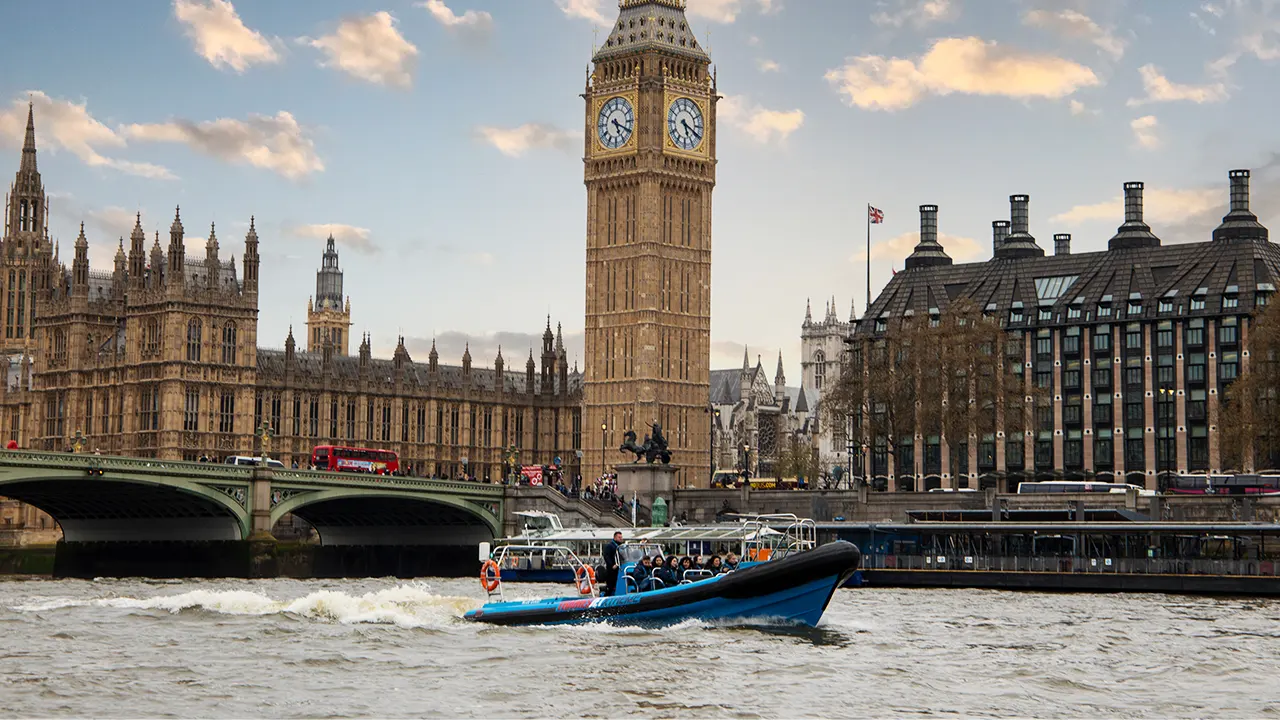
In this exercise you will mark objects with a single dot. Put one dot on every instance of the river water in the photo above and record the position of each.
(388, 648)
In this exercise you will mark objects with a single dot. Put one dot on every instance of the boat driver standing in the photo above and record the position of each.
(610, 556)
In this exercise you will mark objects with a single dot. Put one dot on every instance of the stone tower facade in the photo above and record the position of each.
(649, 170)
(26, 254)
(822, 348)
(329, 313)
(154, 359)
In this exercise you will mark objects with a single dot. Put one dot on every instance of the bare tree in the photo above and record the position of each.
(1250, 429)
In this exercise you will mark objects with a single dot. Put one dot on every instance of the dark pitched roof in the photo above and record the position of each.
(272, 362)
(1171, 272)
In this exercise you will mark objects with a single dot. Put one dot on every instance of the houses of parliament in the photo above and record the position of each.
(158, 357)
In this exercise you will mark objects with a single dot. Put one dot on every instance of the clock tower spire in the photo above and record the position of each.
(650, 162)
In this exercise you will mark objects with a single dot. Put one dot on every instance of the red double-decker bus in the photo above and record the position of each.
(358, 460)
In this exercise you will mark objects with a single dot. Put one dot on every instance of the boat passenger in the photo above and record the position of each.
(642, 573)
(697, 562)
(715, 565)
(668, 572)
(610, 557)
(730, 562)
(686, 564)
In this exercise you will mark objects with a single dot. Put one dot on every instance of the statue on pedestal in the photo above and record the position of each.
(652, 449)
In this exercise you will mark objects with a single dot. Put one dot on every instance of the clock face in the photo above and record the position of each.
(616, 123)
(684, 124)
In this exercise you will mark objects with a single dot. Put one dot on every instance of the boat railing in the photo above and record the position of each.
(522, 556)
(692, 576)
(797, 534)
(1072, 564)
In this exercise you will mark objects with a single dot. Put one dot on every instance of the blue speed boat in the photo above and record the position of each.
(791, 589)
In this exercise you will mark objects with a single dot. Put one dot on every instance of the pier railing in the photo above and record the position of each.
(1052, 564)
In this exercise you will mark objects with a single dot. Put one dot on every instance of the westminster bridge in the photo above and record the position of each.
(133, 516)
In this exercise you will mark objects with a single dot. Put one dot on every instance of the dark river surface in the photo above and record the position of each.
(388, 648)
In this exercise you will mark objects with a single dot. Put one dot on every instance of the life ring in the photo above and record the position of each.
(490, 576)
(585, 577)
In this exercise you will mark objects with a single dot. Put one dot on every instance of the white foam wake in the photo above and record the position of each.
(409, 605)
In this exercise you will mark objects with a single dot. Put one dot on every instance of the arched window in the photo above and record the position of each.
(229, 344)
(195, 330)
(150, 337)
(819, 369)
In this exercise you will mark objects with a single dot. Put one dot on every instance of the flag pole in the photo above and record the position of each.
(867, 308)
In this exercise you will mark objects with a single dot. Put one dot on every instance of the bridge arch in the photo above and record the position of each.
(127, 508)
(374, 516)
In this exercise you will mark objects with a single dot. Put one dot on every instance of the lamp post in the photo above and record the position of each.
(604, 429)
(746, 461)
(264, 434)
(77, 442)
(715, 420)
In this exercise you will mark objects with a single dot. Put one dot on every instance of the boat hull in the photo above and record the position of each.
(794, 589)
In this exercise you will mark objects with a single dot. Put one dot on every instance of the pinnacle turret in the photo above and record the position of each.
(28, 164)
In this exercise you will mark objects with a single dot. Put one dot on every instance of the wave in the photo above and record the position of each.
(411, 605)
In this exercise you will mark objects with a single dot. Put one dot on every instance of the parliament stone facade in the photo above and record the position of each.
(159, 357)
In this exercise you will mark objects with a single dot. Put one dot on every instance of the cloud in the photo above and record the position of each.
(65, 125)
(450, 344)
(1144, 131)
(369, 48)
(1258, 32)
(967, 65)
(275, 143)
(1079, 108)
(767, 65)
(721, 11)
(761, 124)
(895, 249)
(1074, 24)
(477, 23)
(1160, 205)
(917, 13)
(221, 37)
(584, 10)
(514, 142)
(769, 7)
(1160, 89)
(356, 238)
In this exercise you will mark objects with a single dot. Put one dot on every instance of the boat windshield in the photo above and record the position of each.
(632, 552)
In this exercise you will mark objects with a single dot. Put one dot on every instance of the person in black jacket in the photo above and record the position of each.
(610, 556)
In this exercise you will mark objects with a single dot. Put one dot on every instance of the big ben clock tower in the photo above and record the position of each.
(649, 170)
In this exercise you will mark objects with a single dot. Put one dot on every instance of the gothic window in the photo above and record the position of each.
(422, 424)
(275, 413)
(149, 409)
(313, 417)
(404, 423)
(386, 423)
(150, 337)
(333, 419)
(22, 303)
(229, 344)
(227, 412)
(368, 420)
(297, 416)
(191, 411)
(351, 420)
(819, 369)
(194, 333)
(59, 347)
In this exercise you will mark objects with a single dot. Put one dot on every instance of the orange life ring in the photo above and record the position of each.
(490, 576)
(585, 577)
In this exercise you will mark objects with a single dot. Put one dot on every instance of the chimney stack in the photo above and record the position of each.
(1133, 202)
(1134, 233)
(929, 224)
(1018, 243)
(1240, 224)
(1239, 190)
(1062, 244)
(999, 231)
(1019, 225)
(928, 251)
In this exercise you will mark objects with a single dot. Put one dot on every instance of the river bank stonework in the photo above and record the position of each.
(286, 648)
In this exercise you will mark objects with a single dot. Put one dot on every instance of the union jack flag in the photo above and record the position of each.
(875, 215)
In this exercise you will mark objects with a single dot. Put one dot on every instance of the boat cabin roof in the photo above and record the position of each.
(659, 534)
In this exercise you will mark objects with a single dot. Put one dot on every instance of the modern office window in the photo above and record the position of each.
(1071, 343)
(1228, 334)
(1133, 337)
(1102, 339)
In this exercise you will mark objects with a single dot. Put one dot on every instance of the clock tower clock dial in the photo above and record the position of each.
(650, 169)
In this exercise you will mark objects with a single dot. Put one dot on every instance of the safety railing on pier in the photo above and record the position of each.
(1053, 564)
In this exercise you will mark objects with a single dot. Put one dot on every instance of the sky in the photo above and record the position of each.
(440, 143)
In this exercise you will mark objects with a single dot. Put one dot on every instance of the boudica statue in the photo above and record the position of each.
(653, 448)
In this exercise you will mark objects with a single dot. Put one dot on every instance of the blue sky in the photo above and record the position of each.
(441, 141)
